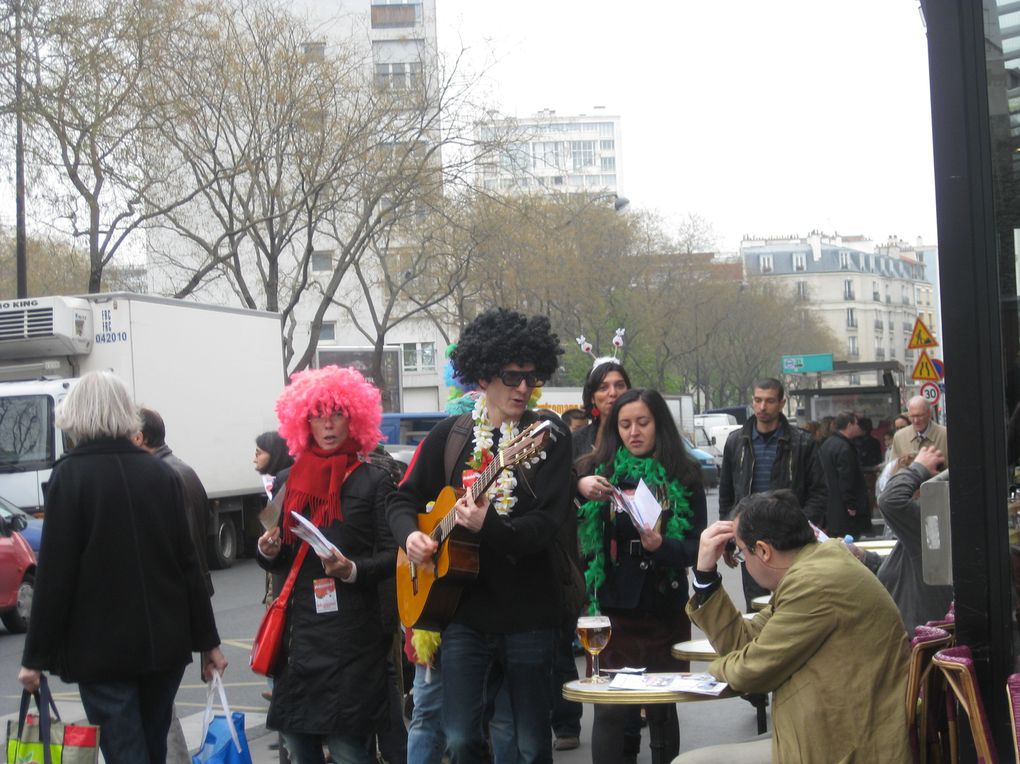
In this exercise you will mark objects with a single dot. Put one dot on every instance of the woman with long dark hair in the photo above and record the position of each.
(637, 575)
(606, 382)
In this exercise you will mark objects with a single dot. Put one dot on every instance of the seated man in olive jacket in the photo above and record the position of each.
(833, 701)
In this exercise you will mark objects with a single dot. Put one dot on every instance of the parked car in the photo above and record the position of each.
(17, 575)
(32, 532)
(709, 471)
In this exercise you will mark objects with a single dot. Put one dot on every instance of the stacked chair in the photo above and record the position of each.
(957, 666)
(924, 693)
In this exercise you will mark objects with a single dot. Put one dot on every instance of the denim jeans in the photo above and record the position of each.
(472, 661)
(425, 739)
(566, 714)
(134, 715)
(307, 749)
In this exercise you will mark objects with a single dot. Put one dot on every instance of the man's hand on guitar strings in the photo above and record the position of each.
(471, 516)
(420, 547)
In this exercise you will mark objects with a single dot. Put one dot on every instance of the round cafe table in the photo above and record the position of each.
(762, 602)
(694, 650)
(600, 694)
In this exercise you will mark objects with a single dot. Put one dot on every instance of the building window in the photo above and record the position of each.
(904, 295)
(851, 347)
(419, 356)
(327, 332)
(609, 163)
(844, 261)
(802, 290)
(855, 379)
(799, 261)
(851, 318)
(395, 15)
(765, 263)
(315, 52)
(875, 294)
(607, 145)
(322, 260)
(848, 289)
(398, 76)
(582, 153)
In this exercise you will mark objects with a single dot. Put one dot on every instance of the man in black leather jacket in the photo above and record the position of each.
(793, 454)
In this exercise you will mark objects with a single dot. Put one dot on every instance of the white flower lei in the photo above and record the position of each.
(500, 493)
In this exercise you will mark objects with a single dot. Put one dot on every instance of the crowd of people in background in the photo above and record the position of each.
(548, 539)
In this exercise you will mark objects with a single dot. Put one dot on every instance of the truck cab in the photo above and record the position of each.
(30, 444)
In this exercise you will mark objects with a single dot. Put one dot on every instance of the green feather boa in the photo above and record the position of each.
(591, 524)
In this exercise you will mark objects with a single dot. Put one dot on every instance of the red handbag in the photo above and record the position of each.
(266, 646)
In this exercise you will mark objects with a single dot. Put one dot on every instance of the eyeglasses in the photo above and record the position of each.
(514, 378)
(738, 555)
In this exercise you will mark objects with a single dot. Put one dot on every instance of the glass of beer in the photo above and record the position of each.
(594, 632)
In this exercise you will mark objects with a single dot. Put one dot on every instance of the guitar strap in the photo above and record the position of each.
(459, 436)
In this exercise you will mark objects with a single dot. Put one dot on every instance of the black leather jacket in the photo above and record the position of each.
(797, 468)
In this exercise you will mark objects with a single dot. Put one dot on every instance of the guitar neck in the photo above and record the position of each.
(445, 526)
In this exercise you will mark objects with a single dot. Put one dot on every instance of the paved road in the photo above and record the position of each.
(238, 608)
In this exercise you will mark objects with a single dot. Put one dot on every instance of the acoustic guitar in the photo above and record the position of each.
(428, 594)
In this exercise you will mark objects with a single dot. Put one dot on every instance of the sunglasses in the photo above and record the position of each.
(514, 378)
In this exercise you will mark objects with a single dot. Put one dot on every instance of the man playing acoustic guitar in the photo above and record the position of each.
(500, 630)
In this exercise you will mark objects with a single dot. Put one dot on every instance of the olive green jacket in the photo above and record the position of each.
(832, 649)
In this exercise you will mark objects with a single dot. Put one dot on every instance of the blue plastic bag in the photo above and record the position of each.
(222, 743)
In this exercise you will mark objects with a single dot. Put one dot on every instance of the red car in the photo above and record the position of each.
(17, 575)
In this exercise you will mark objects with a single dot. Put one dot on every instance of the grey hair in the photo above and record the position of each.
(99, 406)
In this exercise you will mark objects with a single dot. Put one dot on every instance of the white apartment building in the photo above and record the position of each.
(399, 38)
(869, 295)
(550, 153)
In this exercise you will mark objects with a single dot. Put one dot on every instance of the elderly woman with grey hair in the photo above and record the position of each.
(120, 604)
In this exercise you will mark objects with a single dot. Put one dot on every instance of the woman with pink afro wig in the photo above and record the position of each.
(316, 392)
(330, 676)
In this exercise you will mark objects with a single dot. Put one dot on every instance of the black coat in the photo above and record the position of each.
(120, 593)
(847, 489)
(331, 674)
(796, 468)
(652, 582)
(196, 506)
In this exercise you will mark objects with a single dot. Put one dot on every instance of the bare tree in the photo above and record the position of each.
(93, 97)
(306, 162)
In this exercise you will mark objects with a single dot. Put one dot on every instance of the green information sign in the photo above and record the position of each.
(806, 364)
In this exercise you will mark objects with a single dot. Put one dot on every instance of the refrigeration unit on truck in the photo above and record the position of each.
(212, 372)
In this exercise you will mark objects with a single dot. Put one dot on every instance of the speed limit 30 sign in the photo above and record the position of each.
(931, 393)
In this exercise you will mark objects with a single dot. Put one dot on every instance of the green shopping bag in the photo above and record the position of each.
(45, 740)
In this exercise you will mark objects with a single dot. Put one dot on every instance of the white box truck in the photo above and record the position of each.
(212, 372)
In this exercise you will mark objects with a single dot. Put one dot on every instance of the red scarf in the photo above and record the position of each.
(315, 481)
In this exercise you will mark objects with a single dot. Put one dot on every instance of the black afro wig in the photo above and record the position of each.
(499, 337)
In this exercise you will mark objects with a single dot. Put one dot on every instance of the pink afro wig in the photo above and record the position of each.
(322, 391)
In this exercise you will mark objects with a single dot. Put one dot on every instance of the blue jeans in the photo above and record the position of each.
(134, 715)
(307, 749)
(566, 714)
(472, 661)
(425, 739)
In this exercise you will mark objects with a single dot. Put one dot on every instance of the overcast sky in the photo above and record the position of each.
(766, 118)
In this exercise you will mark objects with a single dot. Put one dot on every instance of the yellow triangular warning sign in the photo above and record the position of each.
(924, 370)
(921, 338)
